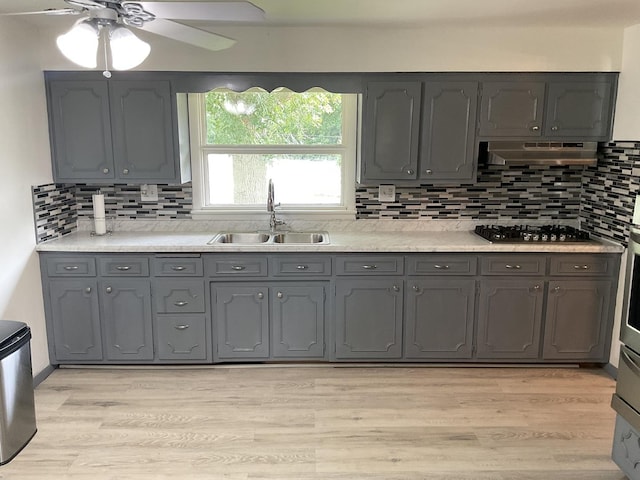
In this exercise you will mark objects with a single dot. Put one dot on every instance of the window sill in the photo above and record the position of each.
(290, 215)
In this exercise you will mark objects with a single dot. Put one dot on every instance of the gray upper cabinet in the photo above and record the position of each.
(115, 131)
(390, 131)
(80, 129)
(579, 109)
(512, 109)
(447, 150)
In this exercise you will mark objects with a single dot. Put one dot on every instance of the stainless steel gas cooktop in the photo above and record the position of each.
(529, 233)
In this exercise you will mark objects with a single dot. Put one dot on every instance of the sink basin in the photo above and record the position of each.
(301, 237)
(259, 238)
(240, 238)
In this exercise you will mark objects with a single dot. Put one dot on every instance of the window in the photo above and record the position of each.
(305, 142)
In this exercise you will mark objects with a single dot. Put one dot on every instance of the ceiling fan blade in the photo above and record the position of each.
(186, 34)
(240, 11)
(88, 4)
(52, 11)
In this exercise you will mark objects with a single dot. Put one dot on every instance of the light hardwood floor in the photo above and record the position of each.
(321, 422)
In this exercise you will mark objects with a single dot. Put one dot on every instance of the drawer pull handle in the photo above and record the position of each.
(180, 303)
(280, 295)
(71, 267)
(123, 268)
(441, 267)
(513, 267)
(369, 267)
(581, 267)
(181, 327)
(237, 267)
(177, 268)
(302, 267)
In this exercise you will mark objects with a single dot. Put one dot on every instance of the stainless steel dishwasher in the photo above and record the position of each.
(17, 406)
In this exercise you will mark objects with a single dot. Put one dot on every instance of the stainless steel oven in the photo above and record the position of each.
(630, 330)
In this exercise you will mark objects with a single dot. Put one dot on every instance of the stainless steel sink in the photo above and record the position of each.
(301, 238)
(260, 238)
(246, 238)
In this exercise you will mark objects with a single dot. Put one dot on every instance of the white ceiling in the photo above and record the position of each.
(410, 13)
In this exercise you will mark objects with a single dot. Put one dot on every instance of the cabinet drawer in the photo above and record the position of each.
(181, 337)
(513, 265)
(582, 265)
(71, 267)
(442, 265)
(184, 296)
(236, 266)
(123, 266)
(177, 267)
(369, 265)
(301, 266)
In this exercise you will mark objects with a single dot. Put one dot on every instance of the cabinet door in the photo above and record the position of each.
(297, 320)
(242, 320)
(80, 131)
(512, 109)
(439, 319)
(142, 130)
(126, 318)
(390, 131)
(181, 337)
(75, 318)
(579, 109)
(509, 318)
(448, 131)
(577, 319)
(369, 318)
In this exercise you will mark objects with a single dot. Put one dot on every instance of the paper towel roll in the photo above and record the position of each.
(636, 211)
(100, 223)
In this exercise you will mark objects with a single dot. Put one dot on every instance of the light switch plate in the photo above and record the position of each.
(387, 193)
(148, 193)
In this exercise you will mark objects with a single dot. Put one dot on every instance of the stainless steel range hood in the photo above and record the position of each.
(542, 153)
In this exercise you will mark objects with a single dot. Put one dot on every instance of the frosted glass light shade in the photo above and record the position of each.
(127, 50)
(80, 44)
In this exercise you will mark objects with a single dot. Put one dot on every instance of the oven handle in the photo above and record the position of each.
(628, 358)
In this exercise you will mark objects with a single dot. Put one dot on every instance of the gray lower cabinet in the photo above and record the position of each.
(368, 318)
(181, 338)
(577, 320)
(74, 319)
(439, 317)
(126, 319)
(510, 316)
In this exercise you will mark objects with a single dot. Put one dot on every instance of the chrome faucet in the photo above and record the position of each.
(271, 208)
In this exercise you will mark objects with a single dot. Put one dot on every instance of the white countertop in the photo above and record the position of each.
(379, 242)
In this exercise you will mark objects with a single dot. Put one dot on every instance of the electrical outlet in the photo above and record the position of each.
(148, 193)
(387, 193)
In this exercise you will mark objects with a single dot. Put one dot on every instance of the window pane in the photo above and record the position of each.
(277, 118)
(241, 179)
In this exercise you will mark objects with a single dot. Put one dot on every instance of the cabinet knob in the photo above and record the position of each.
(536, 287)
(109, 289)
(428, 171)
(535, 128)
(555, 128)
(556, 289)
(410, 172)
(105, 170)
(125, 171)
(416, 288)
(396, 288)
(87, 290)
(280, 295)
(260, 295)
(181, 327)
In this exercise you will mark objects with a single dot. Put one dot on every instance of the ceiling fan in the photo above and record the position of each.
(80, 44)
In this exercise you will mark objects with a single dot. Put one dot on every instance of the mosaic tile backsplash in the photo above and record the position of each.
(600, 197)
(609, 190)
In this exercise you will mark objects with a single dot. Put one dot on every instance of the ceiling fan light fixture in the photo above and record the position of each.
(127, 50)
(80, 44)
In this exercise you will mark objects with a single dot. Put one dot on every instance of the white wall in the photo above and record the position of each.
(383, 49)
(25, 161)
(627, 119)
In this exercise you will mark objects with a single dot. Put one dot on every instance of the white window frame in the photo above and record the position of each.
(200, 150)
